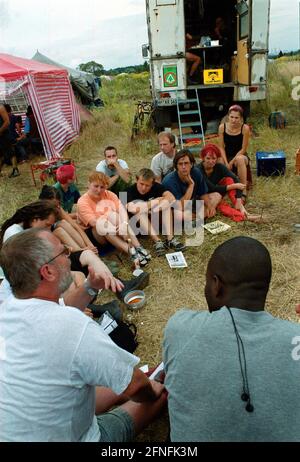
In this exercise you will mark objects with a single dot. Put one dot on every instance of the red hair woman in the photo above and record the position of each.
(221, 180)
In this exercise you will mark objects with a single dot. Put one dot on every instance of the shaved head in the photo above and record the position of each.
(239, 270)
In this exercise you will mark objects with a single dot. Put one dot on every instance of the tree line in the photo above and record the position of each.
(97, 69)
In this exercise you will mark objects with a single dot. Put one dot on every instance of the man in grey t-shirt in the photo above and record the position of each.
(116, 169)
(233, 373)
(162, 163)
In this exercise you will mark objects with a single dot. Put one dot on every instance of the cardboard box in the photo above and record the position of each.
(270, 163)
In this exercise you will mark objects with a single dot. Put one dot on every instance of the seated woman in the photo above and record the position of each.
(66, 229)
(234, 140)
(221, 180)
(40, 214)
(105, 218)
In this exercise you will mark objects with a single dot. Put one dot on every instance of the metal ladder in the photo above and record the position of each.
(182, 112)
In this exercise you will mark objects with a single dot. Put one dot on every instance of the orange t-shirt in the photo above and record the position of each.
(88, 209)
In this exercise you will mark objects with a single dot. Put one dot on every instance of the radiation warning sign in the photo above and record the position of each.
(170, 76)
(213, 76)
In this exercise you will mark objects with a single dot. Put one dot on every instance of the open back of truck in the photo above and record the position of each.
(233, 65)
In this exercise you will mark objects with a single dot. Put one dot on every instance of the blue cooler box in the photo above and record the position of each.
(270, 163)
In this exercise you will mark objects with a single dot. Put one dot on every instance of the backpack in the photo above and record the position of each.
(122, 333)
(277, 120)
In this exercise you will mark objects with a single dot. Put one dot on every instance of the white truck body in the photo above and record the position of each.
(246, 80)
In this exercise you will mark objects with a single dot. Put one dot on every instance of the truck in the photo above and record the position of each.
(233, 68)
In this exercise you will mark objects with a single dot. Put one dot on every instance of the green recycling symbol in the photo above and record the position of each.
(170, 76)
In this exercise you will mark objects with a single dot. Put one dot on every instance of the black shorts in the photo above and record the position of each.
(6, 150)
(103, 249)
(75, 263)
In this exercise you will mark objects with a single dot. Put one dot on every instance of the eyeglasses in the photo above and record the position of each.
(66, 251)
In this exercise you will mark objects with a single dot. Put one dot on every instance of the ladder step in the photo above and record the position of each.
(191, 124)
(190, 136)
(193, 149)
(186, 101)
(188, 112)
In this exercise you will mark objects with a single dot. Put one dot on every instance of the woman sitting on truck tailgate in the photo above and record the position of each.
(234, 140)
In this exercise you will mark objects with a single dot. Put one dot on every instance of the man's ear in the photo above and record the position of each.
(48, 272)
(217, 286)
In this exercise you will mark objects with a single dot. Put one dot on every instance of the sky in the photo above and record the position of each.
(110, 32)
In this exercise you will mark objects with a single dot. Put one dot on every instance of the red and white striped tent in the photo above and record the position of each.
(48, 90)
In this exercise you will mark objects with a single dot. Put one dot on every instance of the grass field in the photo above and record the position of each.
(276, 198)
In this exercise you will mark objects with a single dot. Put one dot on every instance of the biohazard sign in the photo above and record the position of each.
(213, 76)
(170, 76)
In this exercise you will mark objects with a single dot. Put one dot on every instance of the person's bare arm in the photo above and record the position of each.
(137, 207)
(67, 216)
(5, 119)
(113, 180)
(189, 192)
(167, 195)
(142, 389)
(246, 137)
(79, 298)
(222, 145)
(123, 173)
(209, 209)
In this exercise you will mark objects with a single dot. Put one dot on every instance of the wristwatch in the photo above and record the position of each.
(89, 290)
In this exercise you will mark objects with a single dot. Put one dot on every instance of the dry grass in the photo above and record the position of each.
(276, 198)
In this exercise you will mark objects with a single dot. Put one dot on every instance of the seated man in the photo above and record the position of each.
(162, 163)
(232, 372)
(147, 197)
(63, 372)
(116, 169)
(186, 183)
(69, 193)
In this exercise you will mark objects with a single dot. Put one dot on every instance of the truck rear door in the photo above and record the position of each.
(253, 37)
(167, 42)
(243, 40)
(260, 11)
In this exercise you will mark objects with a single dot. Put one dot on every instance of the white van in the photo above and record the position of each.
(233, 68)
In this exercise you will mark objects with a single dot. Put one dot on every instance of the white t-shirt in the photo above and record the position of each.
(103, 168)
(12, 230)
(161, 164)
(51, 359)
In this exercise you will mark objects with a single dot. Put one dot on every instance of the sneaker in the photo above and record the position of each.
(112, 307)
(174, 244)
(143, 256)
(138, 257)
(139, 282)
(159, 248)
(144, 253)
